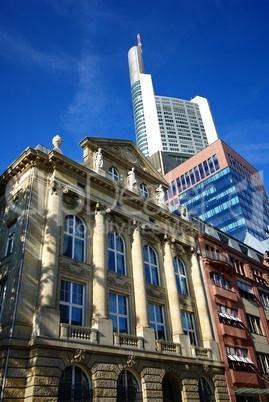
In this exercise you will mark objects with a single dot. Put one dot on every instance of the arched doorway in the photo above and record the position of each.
(74, 386)
(128, 387)
(171, 389)
(206, 391)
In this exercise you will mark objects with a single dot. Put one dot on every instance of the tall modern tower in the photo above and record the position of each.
(175, 127)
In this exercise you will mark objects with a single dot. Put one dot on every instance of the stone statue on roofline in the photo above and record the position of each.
(131, 180)
(160, 197)
(98, 160)
(57, 142)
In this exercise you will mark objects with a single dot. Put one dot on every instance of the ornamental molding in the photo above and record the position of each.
(118, 281)
(154, 292)
(74, 269)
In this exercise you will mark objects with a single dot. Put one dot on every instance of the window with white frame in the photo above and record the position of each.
(10, 239)
(119, 312)
(181, 277)
(264, 298)
(254, 323)
(72, 303)
(144, 190)
(221, 281)
(157, 321)
(2, 296)
(74, 385)
(188, 326)
(74, 238)
(116, 253)
(263, 360)
(113, 173)
(151, 266)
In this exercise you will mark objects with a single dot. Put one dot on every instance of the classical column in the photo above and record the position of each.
(47, 318)
(204, 315)
(99, 266)
(141, 304)
(100, 319)
(172, 291)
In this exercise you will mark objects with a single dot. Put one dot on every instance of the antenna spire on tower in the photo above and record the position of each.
(139, 42)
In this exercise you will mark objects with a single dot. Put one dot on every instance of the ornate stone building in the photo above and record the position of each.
(101, 291)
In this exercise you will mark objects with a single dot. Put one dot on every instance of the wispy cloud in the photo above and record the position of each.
(247, 138)
(16, 48)
(86, 112)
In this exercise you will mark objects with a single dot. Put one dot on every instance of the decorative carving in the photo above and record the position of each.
(206, 368)
(75, 269)
(118, 281)
(179, 249)
(131, 361)
(79, 356)
(156, 293)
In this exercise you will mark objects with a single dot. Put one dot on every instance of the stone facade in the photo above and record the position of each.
(89, 285)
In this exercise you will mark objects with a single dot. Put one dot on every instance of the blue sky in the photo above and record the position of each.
(64, 69)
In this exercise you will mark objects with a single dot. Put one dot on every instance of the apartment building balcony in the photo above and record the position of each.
(201, 353)
(224, 293)
(129, 341)
(216, 258)
(233, 331)
(168, 347)
(77, 333)
(241, 378)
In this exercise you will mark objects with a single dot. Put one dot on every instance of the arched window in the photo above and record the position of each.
(116, 253)
(181, 278)
(206, 392)
(113, 173)
(74, 238)
(128, 387)
(151, 266)
(74, 386)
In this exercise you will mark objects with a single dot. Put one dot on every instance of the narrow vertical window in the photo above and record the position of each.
(74, 238)
(10, 239)
(156, 320)
(119, 312)
(72, 303)
(181, 278)
(2, 297)
(189, 327)
(116, 253)
(151, 266)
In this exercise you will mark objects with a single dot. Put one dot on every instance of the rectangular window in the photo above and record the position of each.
(156, 320)
(263, 360)
(188, 327)
(119, 312)
(2, 296)
(254, 324)
(72, 303)
(264, 298)
(228, 316)
(10, 239)
(245, 290)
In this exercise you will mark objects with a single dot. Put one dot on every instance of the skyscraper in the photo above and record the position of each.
(222, 188)
(177, 127)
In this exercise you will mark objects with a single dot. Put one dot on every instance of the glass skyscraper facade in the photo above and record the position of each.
(221, 188)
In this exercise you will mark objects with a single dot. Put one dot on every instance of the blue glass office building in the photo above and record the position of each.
(220, 187)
